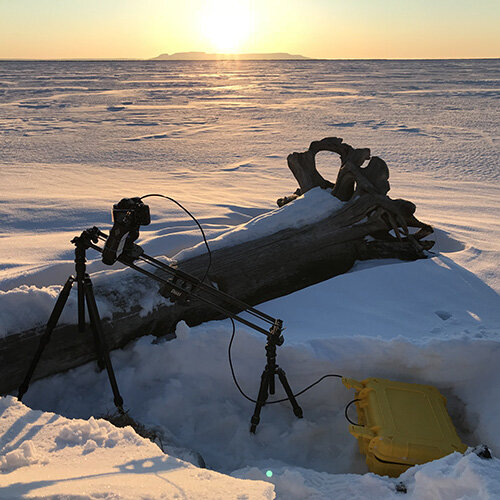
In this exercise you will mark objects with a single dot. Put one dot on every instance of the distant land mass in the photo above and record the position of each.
(203, 56)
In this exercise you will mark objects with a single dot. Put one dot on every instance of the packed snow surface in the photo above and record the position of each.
(78, 136)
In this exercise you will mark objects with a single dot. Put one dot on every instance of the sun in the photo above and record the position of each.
(226, 25)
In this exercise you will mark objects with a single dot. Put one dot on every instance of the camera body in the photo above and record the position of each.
(128, 215)
(131, 212)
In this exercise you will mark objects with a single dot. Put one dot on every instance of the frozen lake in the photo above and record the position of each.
(434, 116)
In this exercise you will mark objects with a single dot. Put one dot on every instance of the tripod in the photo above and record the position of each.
(85, 296)
(267, 380)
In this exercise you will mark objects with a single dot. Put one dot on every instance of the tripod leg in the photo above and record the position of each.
(272, 382)
(81, 306)
(95, 321)
(98, 348)
(297, 410)
(44, 339)
(97, 342)
(261, 399)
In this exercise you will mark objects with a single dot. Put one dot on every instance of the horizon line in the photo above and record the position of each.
(303, 59)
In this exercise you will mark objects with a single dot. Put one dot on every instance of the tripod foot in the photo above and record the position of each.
(253, 425)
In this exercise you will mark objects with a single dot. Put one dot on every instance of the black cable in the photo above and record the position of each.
(277, 400)
(231, 365)
(347, 416)
(310, 386)
(197, 223)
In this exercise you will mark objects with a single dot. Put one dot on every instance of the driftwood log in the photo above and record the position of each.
(370, 225)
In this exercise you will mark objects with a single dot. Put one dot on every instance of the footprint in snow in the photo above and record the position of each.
(444, 315)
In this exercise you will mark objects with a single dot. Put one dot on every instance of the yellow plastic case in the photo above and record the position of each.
(401, 425)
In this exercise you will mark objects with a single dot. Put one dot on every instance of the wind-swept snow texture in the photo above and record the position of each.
(78, 136)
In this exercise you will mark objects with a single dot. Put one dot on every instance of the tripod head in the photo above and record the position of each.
(275, 333)
(88, 236)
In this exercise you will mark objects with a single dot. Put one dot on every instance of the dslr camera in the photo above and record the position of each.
(128, 215)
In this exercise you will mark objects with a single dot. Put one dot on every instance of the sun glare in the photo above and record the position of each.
(226, 25)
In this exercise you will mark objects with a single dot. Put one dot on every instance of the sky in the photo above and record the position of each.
(336, 29)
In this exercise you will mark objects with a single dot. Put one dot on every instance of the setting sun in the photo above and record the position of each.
(226, 25)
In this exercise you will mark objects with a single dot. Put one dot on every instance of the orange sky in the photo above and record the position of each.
(49, 29)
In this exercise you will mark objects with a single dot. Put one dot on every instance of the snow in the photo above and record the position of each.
(93, 459)
(455, 476)
(313, 206)
(77, 137)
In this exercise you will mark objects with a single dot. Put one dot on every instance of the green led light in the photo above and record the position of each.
(269, 473)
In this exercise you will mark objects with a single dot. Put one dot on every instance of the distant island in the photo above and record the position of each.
(203, 56)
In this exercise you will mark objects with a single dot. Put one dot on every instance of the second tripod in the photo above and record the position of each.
(267, 381)
(85, 297)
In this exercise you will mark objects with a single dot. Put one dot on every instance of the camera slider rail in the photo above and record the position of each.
(183, 286)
